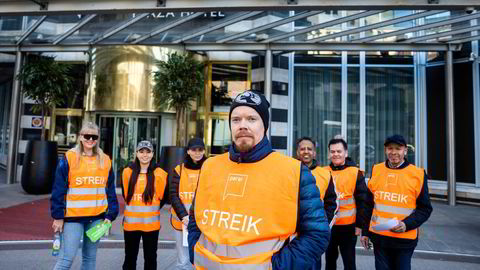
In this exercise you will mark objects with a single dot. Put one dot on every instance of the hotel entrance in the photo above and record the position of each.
(121, 133)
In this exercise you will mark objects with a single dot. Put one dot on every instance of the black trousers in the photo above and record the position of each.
(393, 258)
(346, 243)
(132, 245)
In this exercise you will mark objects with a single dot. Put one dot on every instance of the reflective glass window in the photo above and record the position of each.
(317, 106)
(390, 99)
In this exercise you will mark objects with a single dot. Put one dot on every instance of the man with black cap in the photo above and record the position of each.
(250, 200)
(182, 189)
(399, 200)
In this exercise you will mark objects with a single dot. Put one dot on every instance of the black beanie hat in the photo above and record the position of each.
(254, 100)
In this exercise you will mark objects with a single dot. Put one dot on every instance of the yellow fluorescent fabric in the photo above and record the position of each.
(345, 182)
(395, 195)
(138, 215)
(322, 177)
(86, 194)
(245, 211)
(186, 190)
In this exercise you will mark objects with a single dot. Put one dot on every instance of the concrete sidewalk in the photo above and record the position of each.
(453, 230)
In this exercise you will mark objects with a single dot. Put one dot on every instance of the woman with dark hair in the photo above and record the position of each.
(143, 189)
(182, 190)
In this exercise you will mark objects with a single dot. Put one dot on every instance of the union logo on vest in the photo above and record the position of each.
(235, 185)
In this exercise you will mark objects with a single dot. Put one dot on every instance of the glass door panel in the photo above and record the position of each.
(119, 136)
(147, 129)
(219, 136)
(107, 127)
(124, 143)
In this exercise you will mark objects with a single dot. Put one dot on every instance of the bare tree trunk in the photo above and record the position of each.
(181, 118)
(42, 137)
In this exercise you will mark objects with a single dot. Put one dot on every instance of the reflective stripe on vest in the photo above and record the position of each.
(240, 251)
(142, 220)
(347, 213)
(395, 193)
(86, 191)
(393, 209)
(347, 201)
(87, 203)
(203, 263)
(345, 184)
(142, 208)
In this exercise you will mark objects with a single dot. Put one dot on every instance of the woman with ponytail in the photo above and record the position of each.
(143, 189)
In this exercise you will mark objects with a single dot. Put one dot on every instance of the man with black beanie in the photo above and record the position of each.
(250, 200)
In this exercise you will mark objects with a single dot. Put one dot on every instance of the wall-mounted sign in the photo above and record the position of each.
(37, 122)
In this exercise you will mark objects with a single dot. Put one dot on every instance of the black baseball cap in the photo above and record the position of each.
(144, 145)
(398, 139)
(195, 143)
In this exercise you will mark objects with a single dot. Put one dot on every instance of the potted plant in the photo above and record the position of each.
(178, 81)
(46, 82)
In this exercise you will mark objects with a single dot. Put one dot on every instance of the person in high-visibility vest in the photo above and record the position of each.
(251, 200)
(182, 190)
(306, 153)
(398, 197)
(143, 187)
(83, 195)
(352, 195)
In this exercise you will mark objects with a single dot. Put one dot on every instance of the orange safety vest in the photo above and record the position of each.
(345, 182)
(322, 177)
(245, 211)
(395, 195)
(186, 191)
(86, 195)
(139, 216)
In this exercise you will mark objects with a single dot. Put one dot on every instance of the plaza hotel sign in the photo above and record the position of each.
(211, 14)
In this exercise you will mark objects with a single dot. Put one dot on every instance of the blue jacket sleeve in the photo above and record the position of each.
(193, 231)
(313, 233)
(59, 190)
(423, 210)
(112, 210)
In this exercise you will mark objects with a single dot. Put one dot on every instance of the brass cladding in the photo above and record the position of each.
(121, 78)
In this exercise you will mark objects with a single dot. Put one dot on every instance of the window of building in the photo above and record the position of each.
(317, 106)
(390, 110)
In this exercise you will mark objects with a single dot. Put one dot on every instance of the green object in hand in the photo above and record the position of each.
(98, 231)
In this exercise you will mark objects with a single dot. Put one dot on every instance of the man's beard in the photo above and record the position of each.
(244, 146)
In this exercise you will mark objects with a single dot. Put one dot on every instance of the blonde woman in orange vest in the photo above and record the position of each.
(251, 200)
(398, 194)
(83, 196)
(352, 194)
(182, 190)
(143, 188)
(306, 153)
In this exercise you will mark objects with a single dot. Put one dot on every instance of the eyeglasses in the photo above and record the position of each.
(90, 137)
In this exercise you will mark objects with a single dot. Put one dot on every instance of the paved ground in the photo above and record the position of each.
(3, 176)
(449, 240)
(112, 258)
